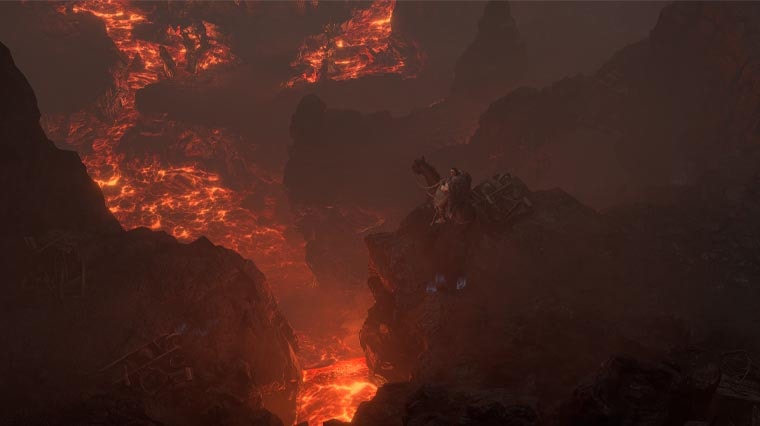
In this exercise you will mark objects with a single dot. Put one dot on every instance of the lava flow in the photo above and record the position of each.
(334, 391)
(170, 175)
(180, 193)
(363, 45)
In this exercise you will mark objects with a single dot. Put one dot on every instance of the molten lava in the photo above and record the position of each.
(335, 391)
(362, 46)
(170, 175)
(179, 194)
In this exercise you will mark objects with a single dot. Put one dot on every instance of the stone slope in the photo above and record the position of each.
(660, 112)
(535, 302)
(93, 315)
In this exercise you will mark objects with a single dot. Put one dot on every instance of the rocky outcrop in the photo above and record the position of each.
(44, 188)
(347, 175)
(495, 61)
(356, 164)
(535, 301)
(444, 292)
(626, 390)
(407, 404)
(622, 391)
(103, 326)
(68, 58)
(660, 112)
(337, 175)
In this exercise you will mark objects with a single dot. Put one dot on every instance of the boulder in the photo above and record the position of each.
(407, 404)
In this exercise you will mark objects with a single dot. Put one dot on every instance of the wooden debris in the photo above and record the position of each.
(740, 377)
(500, 198)
(57, 265)
(154, 366)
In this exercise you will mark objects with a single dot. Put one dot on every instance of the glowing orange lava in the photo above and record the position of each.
(335, 391)
(181, 197)
(171, 188)
(364, 45)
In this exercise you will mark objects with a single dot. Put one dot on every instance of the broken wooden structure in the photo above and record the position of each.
(500, 198)
(740, 377)
(152, 368)
(57, 264)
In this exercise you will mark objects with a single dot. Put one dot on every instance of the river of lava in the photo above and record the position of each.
(180, 194)
(363, 45)
(334, 391)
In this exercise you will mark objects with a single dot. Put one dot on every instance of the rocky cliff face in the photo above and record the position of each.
(357, 164)
(67, 58)
(444, 293)
(495, 61)
(44, 188)
(538, 302)
(99, 323)
(529, 301)
(335, 169)
(660, 112)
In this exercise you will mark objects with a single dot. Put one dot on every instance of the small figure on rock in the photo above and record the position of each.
(451, 195)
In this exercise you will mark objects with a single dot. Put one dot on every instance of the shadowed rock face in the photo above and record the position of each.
(660, 112)
(348, 174)
(330, 177)
(356, 162)
(495, 61)
(87, 306)
(462, 304)
(68, 58)
(44, 188)
(535, 302)
(356, 165)
(407, 404)
(623, 391)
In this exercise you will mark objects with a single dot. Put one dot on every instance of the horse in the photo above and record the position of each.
(457, 203)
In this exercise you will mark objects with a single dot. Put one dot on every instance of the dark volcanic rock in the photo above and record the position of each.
(44, 188)
(319, 134)
(408, 404)
(495, 61)
(334, 422)
(102, 326)
(338, 166)
(68, 57)
(623, 392)
(357, 164)
(522, 296)
(659, 112)
(626, 391)
(387, 407)
(565, 38)
(348, 174)
(107, 410)
(536, 302)
(124, 408)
